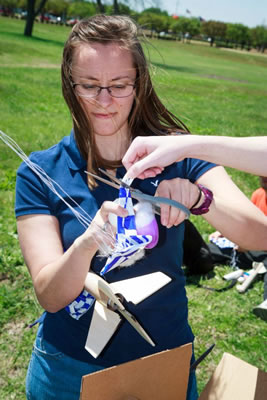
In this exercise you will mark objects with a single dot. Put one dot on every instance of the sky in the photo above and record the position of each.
(248, 12)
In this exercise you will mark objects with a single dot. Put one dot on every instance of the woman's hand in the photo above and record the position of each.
(178, 189)
(100, 232)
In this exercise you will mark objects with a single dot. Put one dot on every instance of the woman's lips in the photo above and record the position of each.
(104, 116)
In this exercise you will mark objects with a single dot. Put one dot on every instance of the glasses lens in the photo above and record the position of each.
(91, 91)
(121, 90)
(87, 90)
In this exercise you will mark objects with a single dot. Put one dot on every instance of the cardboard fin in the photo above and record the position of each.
(235, 379)
(103, 325)
(139, 288)
(160, 376)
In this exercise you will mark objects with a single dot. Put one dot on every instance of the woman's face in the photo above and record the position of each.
(105, 65)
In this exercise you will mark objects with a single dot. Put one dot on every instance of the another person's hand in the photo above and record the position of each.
(178, 189)
(148, 155)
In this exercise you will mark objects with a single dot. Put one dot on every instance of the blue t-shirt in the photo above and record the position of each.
(164, 314)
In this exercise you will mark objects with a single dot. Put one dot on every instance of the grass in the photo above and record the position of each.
(212, 91)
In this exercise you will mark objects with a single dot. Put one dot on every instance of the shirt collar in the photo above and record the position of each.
(75, 160)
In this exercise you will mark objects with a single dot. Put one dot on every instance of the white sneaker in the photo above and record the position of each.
(261, 310)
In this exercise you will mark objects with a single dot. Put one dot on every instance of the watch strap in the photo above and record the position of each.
(204, 208)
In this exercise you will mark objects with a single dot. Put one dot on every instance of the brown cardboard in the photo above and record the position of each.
(234, 379)
(164, 376)
(157, 377)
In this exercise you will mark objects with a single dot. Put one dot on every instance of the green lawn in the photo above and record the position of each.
(212, 90)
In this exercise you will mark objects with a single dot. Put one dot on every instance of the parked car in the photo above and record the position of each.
(43, 18)
(54, 19)
(72, 21)
(6, 12)
(24, 15)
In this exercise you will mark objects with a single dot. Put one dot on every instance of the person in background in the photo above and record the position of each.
(107, 87)
(223, 251)
(259, 197)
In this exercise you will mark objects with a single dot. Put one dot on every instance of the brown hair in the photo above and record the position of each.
(148, 115)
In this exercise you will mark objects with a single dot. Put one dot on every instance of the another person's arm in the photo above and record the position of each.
(147, 156)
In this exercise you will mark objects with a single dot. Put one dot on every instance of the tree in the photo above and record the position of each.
(116, 7)
(194, 27)
(182, 25)
(100, 6)
(122, 9)
(126, 10)
(155, 10)
(31, 14)
(56, 7)
(81, 9)
(259, 37)
(214, 30)
(238, 34)
(8, 6)
(154, 22)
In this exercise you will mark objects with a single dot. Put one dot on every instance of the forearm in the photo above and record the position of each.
(148, 155)
(247, 154)
(59, 276)
(61, 281)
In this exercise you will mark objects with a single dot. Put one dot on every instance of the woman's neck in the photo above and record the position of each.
(112, 147)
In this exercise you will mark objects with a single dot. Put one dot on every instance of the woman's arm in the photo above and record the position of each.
(58, 276)
(147, 156)
(231, 212)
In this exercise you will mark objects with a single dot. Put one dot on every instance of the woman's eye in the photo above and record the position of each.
(118, 87)
(88, 87)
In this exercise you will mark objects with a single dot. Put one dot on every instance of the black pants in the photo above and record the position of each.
(197, 255)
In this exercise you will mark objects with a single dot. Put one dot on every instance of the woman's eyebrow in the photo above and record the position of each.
(91, 78)
(121, 77)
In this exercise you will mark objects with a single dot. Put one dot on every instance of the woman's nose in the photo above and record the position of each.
(104, 97)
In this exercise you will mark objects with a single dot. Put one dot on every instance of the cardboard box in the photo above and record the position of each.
(164, 376)
(234, 379)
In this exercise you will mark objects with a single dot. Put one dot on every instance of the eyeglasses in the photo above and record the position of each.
(91, 91)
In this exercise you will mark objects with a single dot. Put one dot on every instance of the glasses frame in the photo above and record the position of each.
(108, 88)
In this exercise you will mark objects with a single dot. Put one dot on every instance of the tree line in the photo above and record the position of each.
(155, 21)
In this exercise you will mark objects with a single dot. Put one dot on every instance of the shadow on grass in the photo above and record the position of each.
(174, 68)
(202, 281)
(36, 39)
(195, 280)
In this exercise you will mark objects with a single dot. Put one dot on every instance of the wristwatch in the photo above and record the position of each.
(204, 208)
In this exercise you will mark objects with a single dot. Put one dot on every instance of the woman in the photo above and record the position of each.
(107, 87)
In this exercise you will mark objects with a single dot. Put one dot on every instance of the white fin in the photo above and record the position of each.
(139, 288)
(103, 325)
